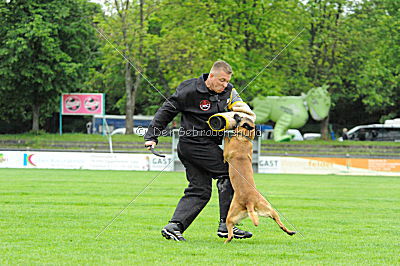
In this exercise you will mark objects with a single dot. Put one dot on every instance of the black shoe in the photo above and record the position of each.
(237, 233)
(172, 231)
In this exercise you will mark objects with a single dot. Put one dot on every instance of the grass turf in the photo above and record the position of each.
(53, 216)
(39, 140)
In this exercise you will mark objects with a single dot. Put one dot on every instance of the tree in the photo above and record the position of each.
(325, 36)
(124, 28)
(45, 49)
(367, 67)
(247, 34)
(378, 76)
(351, 46)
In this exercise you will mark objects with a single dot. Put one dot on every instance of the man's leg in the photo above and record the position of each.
(211, 159)
(225, 195)
(208, 159)
(196, 197)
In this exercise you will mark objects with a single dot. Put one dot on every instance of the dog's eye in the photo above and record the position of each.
(247, 126)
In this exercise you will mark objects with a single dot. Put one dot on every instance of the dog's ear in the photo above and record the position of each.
(237, 118)
(247, 126)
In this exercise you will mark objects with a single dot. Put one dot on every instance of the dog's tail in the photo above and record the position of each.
(252, 214)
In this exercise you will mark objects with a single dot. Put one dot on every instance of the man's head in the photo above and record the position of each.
(219, 77)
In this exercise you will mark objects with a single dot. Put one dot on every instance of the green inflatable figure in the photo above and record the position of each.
(292, 111)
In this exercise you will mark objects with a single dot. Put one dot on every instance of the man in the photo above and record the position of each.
(198, 99)
(344, 134)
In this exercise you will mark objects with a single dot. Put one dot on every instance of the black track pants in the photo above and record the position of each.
(203, 162)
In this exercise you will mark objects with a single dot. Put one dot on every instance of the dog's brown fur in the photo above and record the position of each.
(247, 201)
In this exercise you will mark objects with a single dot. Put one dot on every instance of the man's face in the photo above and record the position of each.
(219, 81)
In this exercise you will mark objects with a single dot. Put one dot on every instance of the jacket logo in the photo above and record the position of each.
(205, 105)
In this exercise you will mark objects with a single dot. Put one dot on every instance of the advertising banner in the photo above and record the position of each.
(321, 165)
(74, 160)
(159, 164)
(147, 162)
(82, 104)
(82, 160)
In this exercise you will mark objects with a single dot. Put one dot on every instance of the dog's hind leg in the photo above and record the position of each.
(275, 216)
(266, 210)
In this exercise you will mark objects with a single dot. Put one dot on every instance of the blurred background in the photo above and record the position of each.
(65, 46)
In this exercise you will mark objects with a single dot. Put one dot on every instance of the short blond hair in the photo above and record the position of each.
(221, 65)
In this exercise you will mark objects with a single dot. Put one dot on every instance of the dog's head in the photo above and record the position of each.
(244, 126)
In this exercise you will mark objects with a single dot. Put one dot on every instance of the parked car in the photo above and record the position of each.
(140, 131)
(269, 134)
(375, 132)
(311, 136)
(395, 121)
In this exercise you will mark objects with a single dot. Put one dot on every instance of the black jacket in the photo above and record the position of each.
(196, 103)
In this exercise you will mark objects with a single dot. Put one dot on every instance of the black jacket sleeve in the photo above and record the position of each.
(163, 116)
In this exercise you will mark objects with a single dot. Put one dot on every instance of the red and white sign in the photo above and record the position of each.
(82, 104)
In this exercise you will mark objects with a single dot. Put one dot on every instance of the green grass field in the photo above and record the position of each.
(53, 217)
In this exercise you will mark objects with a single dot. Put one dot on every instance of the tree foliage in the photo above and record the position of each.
(45, 49)
(282, 47)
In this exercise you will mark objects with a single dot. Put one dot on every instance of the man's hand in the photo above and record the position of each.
(244, 108)
(150, 144)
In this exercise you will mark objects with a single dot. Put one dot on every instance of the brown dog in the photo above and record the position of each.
(247, 201)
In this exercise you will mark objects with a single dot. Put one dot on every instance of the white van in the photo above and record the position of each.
(269, 134)
(375, 132)
(395, 121)
(140, 131)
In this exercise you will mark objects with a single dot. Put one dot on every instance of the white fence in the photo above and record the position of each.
(328, 165)
(149, 162)
(83, 160)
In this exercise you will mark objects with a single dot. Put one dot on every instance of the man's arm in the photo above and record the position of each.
(163, 116)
